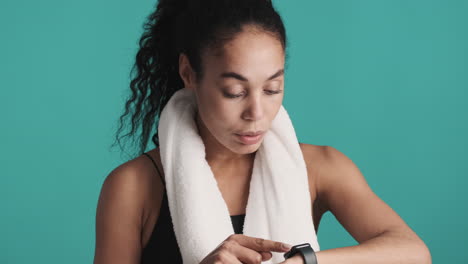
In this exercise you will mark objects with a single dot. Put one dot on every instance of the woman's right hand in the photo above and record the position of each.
(239, 248)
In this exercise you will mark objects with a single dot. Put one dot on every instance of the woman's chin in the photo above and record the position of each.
(241, 148)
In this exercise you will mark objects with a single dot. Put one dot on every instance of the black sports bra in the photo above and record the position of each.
(162, 246)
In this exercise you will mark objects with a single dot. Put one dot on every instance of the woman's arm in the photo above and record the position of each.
(382, 235)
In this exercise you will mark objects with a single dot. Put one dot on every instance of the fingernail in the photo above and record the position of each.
(286, 246)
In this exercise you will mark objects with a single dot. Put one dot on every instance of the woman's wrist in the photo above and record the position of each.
(320, 257)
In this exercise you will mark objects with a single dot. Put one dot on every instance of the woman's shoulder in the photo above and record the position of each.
(137, 178)
(143, 178)
(131, 195)
(314, 157)
(314, 151)
(335, 176)
(319, 157)
(325, 164)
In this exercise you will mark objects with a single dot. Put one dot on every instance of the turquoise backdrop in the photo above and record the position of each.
(385, 82)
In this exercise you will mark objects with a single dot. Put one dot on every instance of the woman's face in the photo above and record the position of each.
(250, 70)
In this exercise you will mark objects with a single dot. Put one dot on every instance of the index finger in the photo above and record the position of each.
(260, 244)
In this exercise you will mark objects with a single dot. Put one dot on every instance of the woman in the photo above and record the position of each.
(232, 55)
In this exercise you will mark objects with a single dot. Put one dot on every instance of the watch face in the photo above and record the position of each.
(295, 249)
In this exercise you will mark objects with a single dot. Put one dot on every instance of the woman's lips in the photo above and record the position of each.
(249, 140)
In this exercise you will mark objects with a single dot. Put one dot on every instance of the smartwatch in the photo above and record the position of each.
(307, 252)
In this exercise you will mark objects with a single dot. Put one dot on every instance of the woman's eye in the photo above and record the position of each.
(269, 92)
(273, 92)
(233, 95)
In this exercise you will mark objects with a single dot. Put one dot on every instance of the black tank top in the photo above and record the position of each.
(162, 246)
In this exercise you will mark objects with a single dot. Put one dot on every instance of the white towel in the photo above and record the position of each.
(278, 207)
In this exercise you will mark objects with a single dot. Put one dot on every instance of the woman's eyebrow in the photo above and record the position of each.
(242, 78)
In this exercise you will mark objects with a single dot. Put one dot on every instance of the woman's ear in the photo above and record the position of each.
(186, 72)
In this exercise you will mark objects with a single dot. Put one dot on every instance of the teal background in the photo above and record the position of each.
(385, 82)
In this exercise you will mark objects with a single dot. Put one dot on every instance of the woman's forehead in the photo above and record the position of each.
(246, 54)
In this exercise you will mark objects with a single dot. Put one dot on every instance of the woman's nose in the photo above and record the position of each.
(254, 111)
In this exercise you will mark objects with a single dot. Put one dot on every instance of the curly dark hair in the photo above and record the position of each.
(189, 27)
